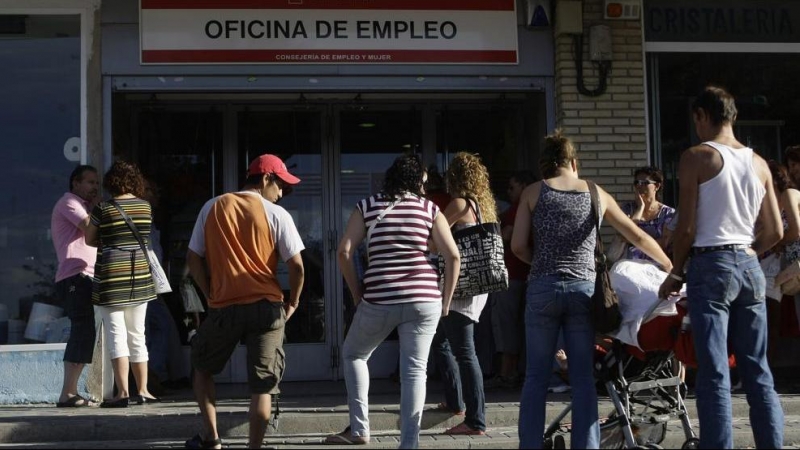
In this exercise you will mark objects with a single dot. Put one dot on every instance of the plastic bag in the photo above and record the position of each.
(191, 300)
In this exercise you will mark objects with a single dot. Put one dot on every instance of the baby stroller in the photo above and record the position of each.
(644, 388)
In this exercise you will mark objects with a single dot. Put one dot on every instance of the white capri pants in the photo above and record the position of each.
(124, 331)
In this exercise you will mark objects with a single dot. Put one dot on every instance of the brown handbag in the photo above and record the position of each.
(605, 303)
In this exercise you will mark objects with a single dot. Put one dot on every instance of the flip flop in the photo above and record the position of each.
(74, 402)
(197, 441)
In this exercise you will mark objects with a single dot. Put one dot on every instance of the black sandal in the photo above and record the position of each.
(197, 442)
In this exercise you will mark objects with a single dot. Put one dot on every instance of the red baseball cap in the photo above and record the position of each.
(265, 164)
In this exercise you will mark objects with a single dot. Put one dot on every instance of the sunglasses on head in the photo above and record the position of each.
(644, 182)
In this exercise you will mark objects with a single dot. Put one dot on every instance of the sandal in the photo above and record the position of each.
(197, 442)
(345, 438)
(76, 401)
(463, 429)
(442, 407)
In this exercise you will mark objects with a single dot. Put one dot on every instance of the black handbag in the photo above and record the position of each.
(605, 303)
(483, 267)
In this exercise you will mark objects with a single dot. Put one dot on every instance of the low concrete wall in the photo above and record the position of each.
(33, 373)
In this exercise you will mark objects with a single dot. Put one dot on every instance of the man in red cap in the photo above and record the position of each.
(233, 257)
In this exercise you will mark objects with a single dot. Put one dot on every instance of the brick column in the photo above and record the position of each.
(610, 130)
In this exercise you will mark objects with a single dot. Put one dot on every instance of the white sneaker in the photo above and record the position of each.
(559, 389)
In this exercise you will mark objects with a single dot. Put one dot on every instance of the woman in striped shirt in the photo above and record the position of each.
(400, 290)
(122, 281)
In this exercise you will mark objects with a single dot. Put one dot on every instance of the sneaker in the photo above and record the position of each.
(346, 438)
(560, 389)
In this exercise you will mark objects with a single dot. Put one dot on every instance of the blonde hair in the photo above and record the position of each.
(467, 177)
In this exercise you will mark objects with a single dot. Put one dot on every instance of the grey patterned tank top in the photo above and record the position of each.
(564, 235)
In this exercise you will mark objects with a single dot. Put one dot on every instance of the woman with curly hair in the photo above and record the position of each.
(400, 290)
(122, 281)
(454, 343)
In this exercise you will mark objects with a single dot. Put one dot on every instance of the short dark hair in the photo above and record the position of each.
(792, 153)
(650, 172)
(77, 174)
(718, 104)
(780, 176)
(523, 177)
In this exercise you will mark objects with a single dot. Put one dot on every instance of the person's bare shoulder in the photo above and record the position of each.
(702, 160)
(761, 167)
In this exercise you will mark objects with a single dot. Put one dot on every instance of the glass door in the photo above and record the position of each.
(368, 139)
(179, 150)
(296, 136)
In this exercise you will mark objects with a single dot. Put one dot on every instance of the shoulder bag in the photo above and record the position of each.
(159, 277)
(788, 280)
(605, 303)
(483, 268)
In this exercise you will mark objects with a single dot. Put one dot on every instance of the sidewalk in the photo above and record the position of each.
(309, 411)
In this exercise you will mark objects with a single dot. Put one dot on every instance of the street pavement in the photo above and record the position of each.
(309, 411)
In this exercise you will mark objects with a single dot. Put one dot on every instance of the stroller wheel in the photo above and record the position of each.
(691, 444)
(558, 442)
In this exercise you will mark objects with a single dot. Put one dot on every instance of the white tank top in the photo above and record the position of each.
(728, 204)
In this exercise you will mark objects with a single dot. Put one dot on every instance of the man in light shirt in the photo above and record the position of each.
(233, 257)
(74, 276)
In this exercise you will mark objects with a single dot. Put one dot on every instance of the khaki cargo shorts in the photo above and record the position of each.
(260, 326)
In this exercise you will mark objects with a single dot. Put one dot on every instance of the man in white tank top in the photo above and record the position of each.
(725, 188)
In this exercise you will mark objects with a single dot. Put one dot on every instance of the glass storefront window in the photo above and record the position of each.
(766, 97)
(40, 113)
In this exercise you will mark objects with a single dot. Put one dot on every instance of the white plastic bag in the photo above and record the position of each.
(191, 300)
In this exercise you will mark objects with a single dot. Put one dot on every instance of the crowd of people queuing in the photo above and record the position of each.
(734, 209)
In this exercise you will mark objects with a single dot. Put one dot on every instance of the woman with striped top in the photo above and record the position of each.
(122, 281)
(400, 290)
(454, 343)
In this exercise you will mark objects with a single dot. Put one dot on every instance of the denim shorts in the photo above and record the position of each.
(260, 325)
(75, 295)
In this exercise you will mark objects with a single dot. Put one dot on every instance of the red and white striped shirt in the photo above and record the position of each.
(399, 269)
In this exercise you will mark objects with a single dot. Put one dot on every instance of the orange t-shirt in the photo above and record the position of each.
(240, 252)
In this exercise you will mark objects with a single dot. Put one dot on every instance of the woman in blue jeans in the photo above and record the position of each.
(400, 290)
(454, 343)
(555, 232)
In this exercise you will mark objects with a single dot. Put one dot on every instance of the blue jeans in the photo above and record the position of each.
(453, 344)
(727, 303)
(163, 342)
(557, 304)
(416, 325)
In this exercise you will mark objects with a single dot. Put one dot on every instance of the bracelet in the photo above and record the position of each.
(675, 277)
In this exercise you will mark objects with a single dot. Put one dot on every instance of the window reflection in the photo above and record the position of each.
(40, 85)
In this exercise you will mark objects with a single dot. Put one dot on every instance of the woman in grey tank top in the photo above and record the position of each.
(555, 233)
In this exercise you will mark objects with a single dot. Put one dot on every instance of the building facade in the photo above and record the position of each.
(338, 90)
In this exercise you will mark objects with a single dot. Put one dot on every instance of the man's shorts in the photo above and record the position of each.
(75, 295)
(260, 325)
